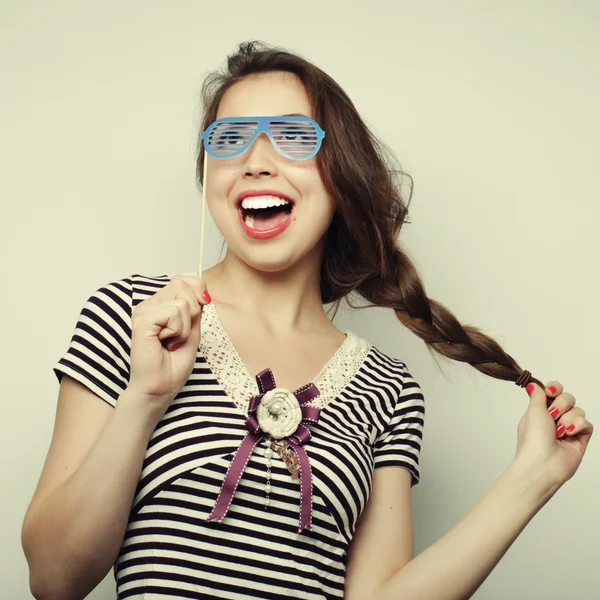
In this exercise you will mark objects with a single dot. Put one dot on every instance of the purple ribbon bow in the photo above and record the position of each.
(300, 436)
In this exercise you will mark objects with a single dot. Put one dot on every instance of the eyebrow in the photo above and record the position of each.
(296, 115)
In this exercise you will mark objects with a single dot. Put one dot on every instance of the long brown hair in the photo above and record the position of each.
(362, 252)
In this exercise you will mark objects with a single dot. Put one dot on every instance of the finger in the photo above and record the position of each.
(198, 286)
(537, 395)
(584, 434)
(179, 282)
(190, 288)
(175, 320)
(571, 417)
(562, 404)
(190, 295)
(166, 321)
(553, 389)
(185, 292)
(186, 323)
(579, 427)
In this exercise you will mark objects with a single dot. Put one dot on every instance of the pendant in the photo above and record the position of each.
(289, 457)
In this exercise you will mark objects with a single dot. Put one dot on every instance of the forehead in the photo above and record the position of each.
(275, 93)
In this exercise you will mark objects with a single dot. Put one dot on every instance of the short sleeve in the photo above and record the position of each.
(98, 355)
(399, 445)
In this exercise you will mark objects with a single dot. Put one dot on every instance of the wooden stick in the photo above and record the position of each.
(202, 219)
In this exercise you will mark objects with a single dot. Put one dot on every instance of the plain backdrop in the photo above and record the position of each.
(492, 107)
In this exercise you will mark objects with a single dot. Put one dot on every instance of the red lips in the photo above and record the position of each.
(265, 233)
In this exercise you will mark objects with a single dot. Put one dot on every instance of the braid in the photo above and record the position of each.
(403, 291)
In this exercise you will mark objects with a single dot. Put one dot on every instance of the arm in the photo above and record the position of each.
(456, 565)
(74, 526)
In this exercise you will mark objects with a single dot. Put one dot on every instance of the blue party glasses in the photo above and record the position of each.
(295, 137)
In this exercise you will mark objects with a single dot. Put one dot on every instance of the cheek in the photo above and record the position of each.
(219, 186)
(220, 180)
(218, 191)
(307, 179)
(320, 207)
(325, 204)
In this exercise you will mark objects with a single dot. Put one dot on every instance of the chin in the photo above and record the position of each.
(275, 255)
(271, 264)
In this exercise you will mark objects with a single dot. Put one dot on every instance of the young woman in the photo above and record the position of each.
(219, 437)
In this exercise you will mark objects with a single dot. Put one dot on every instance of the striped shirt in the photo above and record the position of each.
(371, 416)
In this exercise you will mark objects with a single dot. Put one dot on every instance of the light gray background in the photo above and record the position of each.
(492, 107)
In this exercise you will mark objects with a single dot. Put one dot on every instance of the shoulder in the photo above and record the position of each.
(144, 286)
(393, 370)
(127, 292)
(116, 299)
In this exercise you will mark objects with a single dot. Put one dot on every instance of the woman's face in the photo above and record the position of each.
(261, 168)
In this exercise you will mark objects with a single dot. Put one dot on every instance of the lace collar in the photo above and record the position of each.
(227, 366)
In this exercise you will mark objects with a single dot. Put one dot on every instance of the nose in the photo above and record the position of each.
(260, 159)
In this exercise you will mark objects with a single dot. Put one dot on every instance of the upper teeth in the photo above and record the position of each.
(263, 202)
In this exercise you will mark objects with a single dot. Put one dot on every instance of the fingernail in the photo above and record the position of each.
(552, 389)
(206, 297)
(571, 427)
(560, 429)
(530, 387)
(553, 412)
(174, 347)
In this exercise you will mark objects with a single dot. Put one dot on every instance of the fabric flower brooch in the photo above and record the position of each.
(280, 415)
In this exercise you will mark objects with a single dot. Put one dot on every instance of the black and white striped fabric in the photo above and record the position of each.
(374, 418)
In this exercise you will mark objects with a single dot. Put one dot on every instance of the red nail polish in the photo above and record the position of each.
(554, 412)
(560, 429)
(552, 389)
(174, 347)
(530, 387)
(206, 297)
(571, 427)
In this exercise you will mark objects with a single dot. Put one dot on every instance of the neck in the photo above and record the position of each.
(280, 302)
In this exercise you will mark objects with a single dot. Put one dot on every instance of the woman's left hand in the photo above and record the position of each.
(555, 442)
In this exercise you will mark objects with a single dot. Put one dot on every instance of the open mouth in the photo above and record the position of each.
(267, 217)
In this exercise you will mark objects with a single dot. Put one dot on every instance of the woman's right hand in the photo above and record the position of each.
(165, 335)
